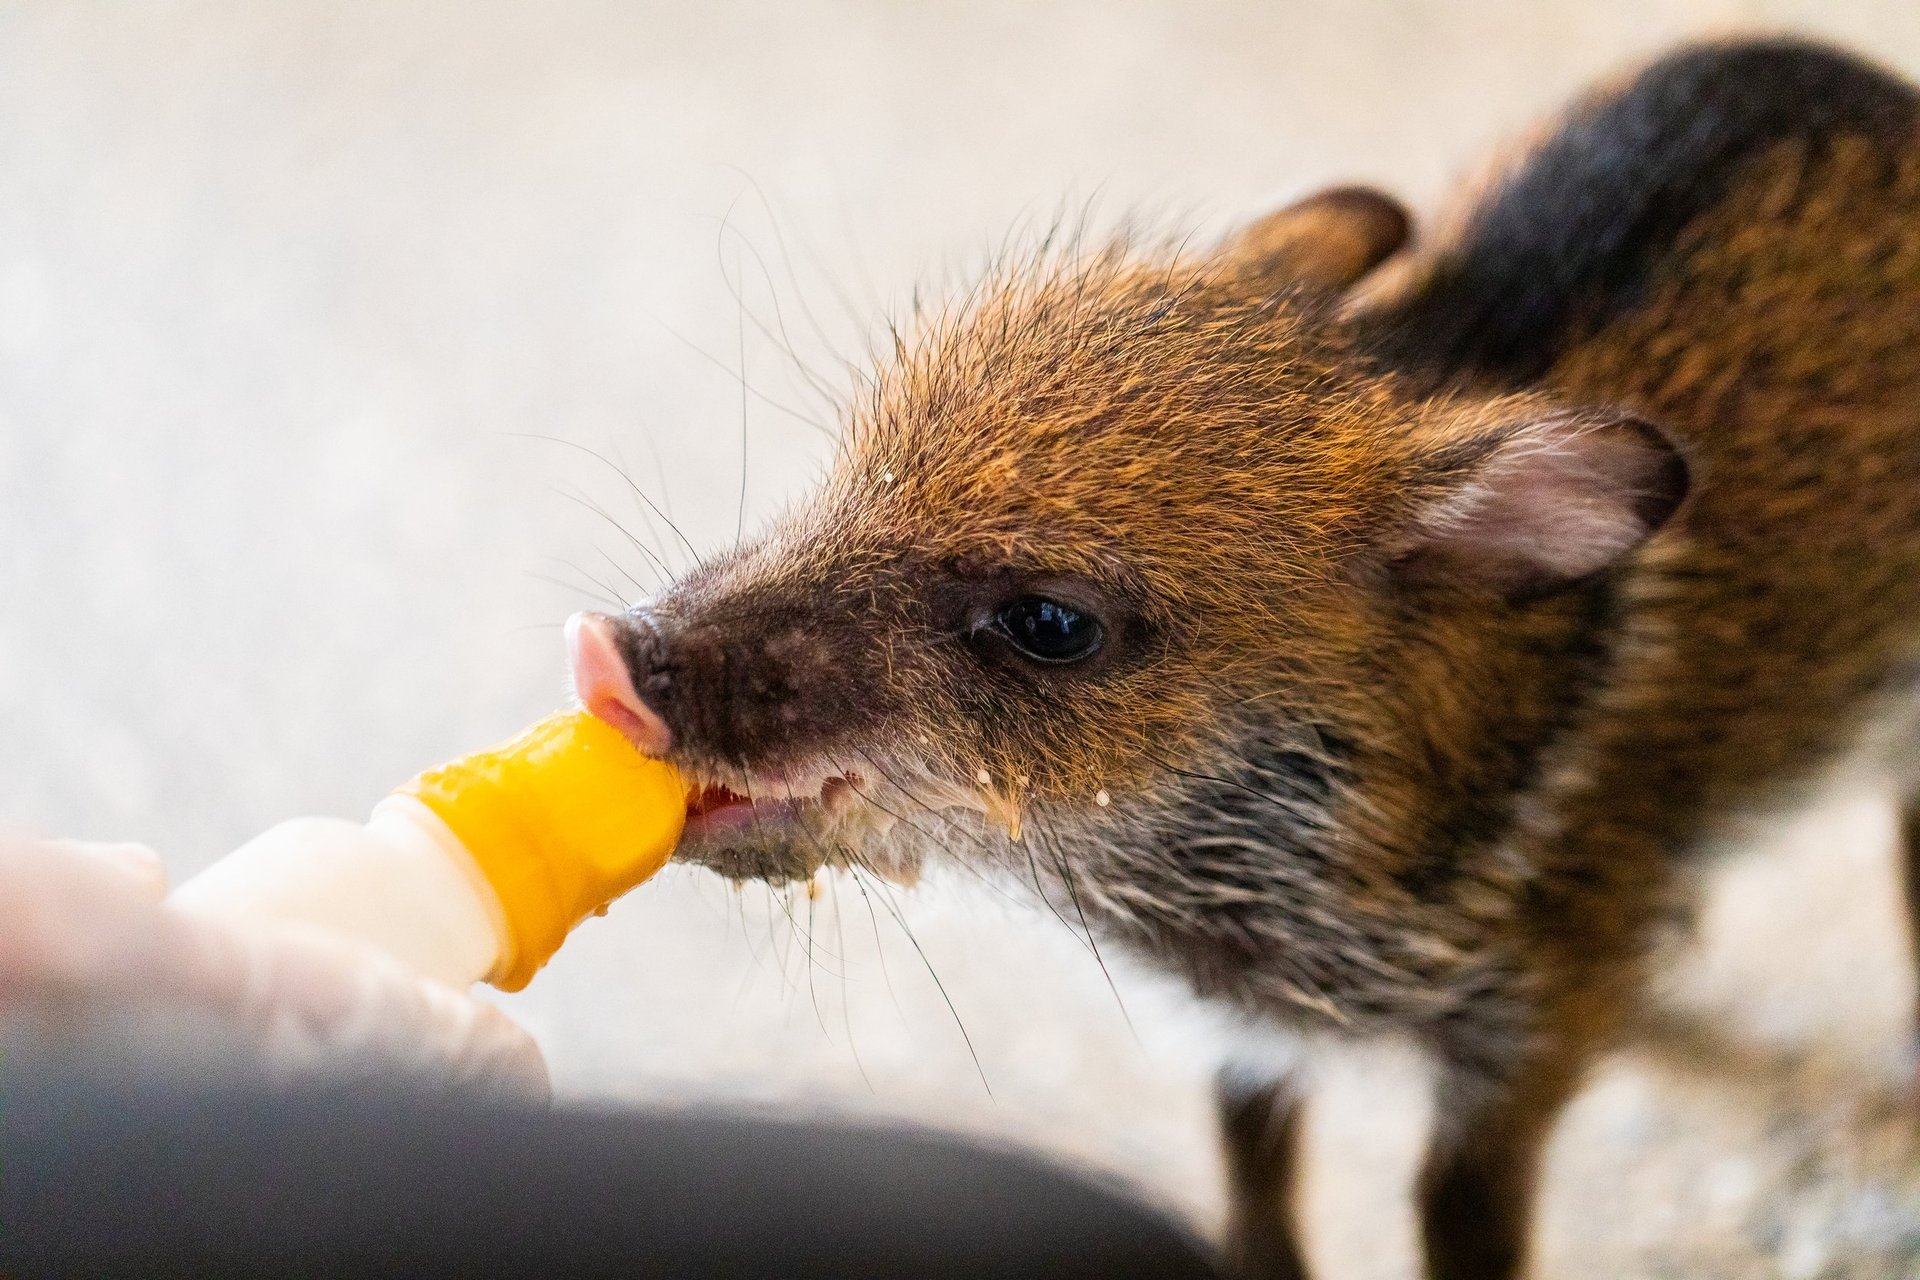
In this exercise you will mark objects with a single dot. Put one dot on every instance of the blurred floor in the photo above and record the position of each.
(320, 325)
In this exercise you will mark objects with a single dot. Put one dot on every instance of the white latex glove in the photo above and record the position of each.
(88, 945)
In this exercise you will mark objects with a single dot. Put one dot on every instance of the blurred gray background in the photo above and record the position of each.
(332, 334)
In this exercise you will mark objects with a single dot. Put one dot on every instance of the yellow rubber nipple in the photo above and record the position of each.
(561, 821)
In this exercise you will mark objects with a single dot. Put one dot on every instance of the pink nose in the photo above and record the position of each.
(605, 687)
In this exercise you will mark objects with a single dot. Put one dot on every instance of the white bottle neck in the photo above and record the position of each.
(460, 923)
(402, 882)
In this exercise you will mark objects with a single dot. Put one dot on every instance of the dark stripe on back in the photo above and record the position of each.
(1569, 240)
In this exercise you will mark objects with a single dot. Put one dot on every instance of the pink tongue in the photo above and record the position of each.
(605, 688)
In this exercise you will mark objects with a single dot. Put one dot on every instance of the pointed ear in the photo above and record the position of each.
(1326, 241)
(1541, 503)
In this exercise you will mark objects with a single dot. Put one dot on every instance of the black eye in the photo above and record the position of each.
(1048, 631)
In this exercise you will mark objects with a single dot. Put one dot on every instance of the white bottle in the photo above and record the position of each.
(402, 882)
(475, 871)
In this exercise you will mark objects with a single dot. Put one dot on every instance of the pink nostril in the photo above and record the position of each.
(605, 686)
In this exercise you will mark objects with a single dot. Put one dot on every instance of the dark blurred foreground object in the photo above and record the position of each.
(105, 1181)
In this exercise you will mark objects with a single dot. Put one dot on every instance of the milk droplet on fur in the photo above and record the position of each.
(1101, 798)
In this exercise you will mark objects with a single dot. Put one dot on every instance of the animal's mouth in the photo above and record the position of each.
(716, 810)
(785, 826)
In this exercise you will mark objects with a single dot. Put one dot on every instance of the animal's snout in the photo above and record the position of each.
(604, 681)
(738, 680)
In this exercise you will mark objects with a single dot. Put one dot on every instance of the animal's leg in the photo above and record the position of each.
(1477, 1186)
(1260, 1127)
(1910, 882)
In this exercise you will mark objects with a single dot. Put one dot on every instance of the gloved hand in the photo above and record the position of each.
(90, 951)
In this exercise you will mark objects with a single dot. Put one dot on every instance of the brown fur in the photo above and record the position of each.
(1357, 755)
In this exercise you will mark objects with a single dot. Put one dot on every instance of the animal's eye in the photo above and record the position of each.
(1048, 631)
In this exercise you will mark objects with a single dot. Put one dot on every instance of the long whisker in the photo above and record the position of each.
(753, 951)
(1083, 935)
(1033, 869)
(778, 335)
(639, 509)
(740, 331)
(622, 570)
(793, 281)
(879, 944)
(1093, 943)
(893, 910)
(652, 549)
(599, 590)
(582, 500)
(736, 287)
(785, 903)
(977, 842)
(638, 492)
(813, 969)
(767, 889)
(750, 389)
(846, 996)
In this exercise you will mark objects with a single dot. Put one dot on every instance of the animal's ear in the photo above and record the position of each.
(1326, 241)
(1540, 502)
